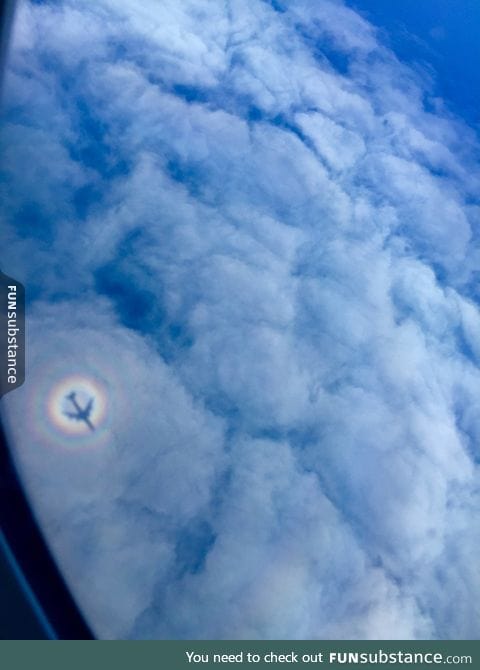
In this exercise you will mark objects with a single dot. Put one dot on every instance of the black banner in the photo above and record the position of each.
(180, 655)
(12, 334)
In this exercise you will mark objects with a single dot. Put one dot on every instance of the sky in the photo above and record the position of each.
(438, 37)
(249, 231)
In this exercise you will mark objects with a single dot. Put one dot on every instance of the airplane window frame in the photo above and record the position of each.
(36, 602)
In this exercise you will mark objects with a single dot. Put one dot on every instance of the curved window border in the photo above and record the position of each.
(42, 601)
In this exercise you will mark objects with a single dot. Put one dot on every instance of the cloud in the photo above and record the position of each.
(248, 224)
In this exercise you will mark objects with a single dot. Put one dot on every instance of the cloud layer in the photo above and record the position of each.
(259, 231)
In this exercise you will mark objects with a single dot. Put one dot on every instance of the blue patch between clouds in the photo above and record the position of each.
(123, 281)
(91, 146)
(192, 547)
(191, 176)
(191, 93)
(278, 6)
(325, 51)
(140, 306)
(136, 306)
(32, 222)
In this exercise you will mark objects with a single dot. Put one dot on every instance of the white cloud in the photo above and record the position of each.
(271, 266)
(119, 496)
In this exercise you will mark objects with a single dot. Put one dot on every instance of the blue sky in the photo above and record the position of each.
(253, 227)
(439, 36)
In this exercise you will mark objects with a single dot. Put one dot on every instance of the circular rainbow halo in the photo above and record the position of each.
(69, 397)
